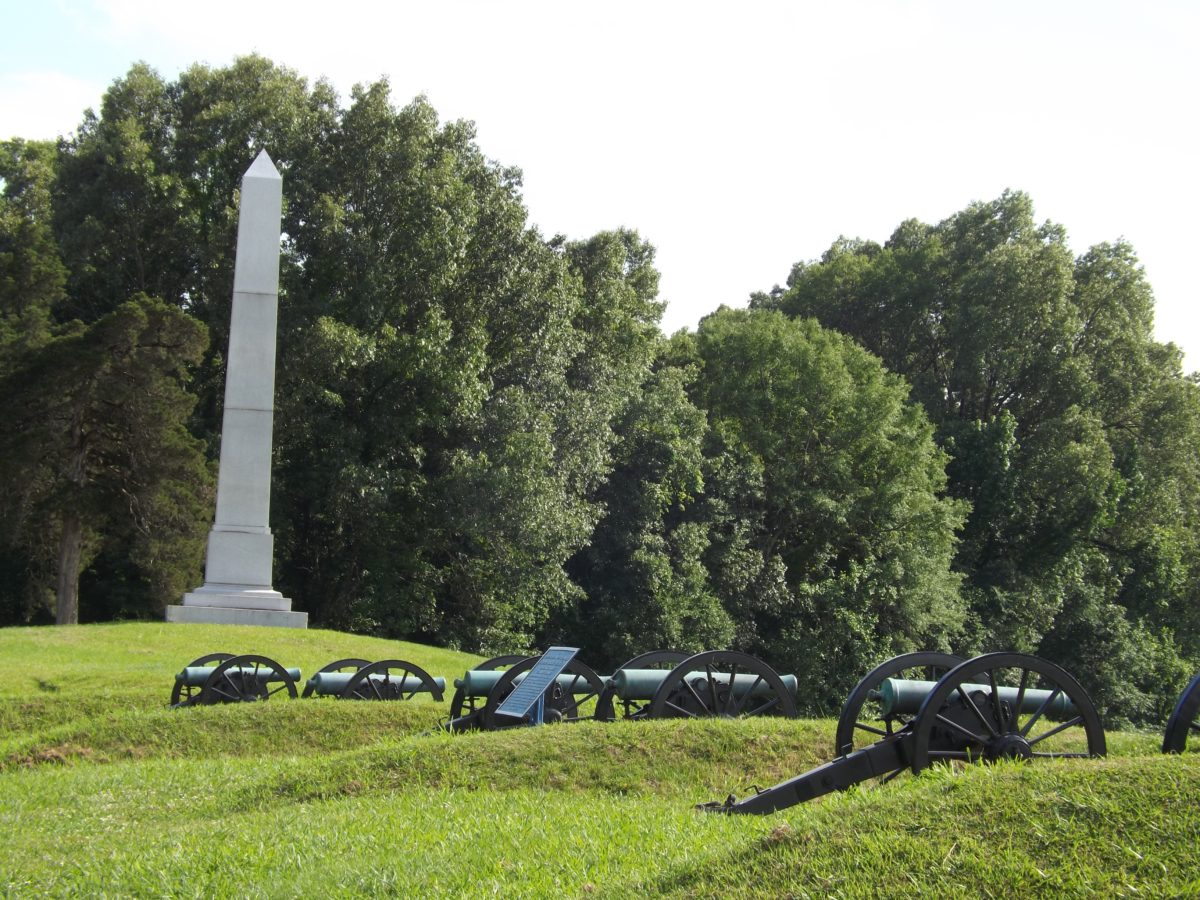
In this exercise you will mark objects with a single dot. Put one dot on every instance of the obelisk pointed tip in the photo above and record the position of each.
(262, 167)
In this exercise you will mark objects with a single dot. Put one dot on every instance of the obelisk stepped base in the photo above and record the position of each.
(229, 615)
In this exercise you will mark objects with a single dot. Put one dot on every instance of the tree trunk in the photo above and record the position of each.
(70, 551)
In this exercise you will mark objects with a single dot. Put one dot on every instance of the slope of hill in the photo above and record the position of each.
(104, 790)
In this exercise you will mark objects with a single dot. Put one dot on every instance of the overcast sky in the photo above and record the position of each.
(738, 138)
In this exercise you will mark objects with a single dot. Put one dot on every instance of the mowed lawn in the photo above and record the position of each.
(106, 791)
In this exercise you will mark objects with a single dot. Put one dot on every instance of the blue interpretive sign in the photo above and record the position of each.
(537, 682)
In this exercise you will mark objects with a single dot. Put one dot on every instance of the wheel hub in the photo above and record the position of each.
(1009, 746)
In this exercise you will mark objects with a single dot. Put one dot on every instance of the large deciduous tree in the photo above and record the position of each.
(831, 540)
(1071, 431)
(450, 415)
(32, 275)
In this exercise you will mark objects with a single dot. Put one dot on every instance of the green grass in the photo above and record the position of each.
(105, 791)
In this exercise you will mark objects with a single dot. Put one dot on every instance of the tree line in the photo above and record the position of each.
(963, 439)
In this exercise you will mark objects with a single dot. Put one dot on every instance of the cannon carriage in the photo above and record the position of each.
(715, 683)
(661, 684)
(480, 694)
(385, 679)
(996, 706)
(229, 678)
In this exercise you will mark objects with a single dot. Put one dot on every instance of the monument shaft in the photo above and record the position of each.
(237, 575)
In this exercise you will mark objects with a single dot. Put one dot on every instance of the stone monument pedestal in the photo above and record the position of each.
(212, 613)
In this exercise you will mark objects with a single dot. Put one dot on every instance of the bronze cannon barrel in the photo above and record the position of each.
(902, 696)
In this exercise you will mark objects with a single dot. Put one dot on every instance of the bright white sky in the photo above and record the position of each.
(738, 137)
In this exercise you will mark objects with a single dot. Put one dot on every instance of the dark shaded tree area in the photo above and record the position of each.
(482, 439)
(1071, 432)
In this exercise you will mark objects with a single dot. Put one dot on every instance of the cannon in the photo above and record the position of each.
(226, 678)
(632, 708)
(993, 707)
(481, 693)
(1184, 721)
(715, 683)
(387, 679)
(469, 698)
(861, 713)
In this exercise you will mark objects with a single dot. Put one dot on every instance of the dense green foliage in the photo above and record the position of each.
(1071, 432)
(482, 440)
(97, 455)
(103, 790)
(833, 545)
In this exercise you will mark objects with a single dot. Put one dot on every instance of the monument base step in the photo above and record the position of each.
(231, 615)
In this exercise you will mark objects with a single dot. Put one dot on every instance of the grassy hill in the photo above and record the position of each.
(104, 790)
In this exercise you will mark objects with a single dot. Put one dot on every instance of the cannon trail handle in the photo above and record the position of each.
(879, 759)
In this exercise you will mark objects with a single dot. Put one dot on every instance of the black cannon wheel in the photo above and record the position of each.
(925, 666)
(460, 704)
(242, 679)
(690, 689)
(397, 675)
(1000, 730)
(1185, 719)
(338, 665)
(633, 709)
(187, 694)
(563, 704)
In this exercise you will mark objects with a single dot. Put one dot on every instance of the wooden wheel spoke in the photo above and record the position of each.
(764, 706)
(872, 729)
(1040, 710)
(730, 700)
(692, 691)
(690, 715)
(997, 707)
(712, 690)
(1078, 720)
(573, 707)
(746, 696)
(236, 683)
(1016, 715)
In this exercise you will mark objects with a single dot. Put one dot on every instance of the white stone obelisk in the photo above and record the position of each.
(237, 575)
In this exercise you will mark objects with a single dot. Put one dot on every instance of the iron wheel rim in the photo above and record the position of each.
(851, 721)
(1031, 732)
(676, 697)
(1184, 720)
